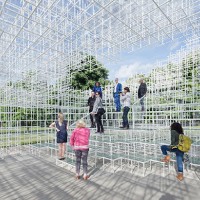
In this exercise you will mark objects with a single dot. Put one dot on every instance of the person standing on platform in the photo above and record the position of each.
(142, 90)
(91, 101)
(116, 95)
(61, 129)
(126, 100)
(97, 88)
(98, 104)
(79, 141)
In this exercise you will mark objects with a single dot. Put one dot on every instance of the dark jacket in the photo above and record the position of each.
(91, 101)
(142, 90)
(174, 138)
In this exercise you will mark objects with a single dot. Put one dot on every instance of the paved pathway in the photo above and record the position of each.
(26, 177)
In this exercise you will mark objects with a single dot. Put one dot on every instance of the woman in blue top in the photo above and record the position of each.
(97, 88)
(61, 128)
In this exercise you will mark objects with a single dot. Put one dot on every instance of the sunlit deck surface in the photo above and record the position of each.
(24, 176)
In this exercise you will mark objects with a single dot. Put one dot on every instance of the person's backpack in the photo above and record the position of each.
(184, 143)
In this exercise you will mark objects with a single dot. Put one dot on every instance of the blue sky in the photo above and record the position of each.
(141, 61)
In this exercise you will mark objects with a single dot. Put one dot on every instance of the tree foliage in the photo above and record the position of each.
(90, 72)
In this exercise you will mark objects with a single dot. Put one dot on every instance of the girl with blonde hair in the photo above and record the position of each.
(61, 128)
(79, 141)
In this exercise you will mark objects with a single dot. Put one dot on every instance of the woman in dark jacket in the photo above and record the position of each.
(176, 130)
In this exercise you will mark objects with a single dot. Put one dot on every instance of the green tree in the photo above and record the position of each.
(91, 71)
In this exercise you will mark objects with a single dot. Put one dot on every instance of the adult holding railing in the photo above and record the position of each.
(98, 111)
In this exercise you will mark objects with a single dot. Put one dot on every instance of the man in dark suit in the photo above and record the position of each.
(116, 95)
(142, 90)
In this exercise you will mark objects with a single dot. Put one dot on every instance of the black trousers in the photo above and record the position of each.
(91, 117)
(99, 123)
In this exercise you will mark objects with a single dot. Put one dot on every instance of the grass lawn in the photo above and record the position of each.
(25, 129)
(22, 138)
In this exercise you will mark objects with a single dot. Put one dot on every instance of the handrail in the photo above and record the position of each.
(79, 119)
(138, 100)
(133, 119)
(89, 113)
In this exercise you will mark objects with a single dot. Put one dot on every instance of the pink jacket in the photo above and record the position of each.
(79, 139)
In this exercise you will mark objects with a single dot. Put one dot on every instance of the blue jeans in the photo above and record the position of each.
(117, 102)
(125, 116)
(179, 156)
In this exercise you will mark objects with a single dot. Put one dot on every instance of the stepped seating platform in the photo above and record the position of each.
(119, 149)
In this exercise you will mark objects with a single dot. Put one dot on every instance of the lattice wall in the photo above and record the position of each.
(41, 41)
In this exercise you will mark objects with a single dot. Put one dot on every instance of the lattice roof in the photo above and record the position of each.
(52, 36)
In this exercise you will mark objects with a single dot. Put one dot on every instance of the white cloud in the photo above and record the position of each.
(175, 44)
(126, 71)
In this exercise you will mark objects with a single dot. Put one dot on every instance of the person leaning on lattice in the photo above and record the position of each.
(180, 144)
(61, 128)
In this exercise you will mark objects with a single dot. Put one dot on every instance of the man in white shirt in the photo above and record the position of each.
(126, 100)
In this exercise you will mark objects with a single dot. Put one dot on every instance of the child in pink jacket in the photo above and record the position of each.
(79, 141)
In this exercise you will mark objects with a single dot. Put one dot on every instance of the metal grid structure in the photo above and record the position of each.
(173, 90)
(50, 37)
(137, 151)
(43, 41)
